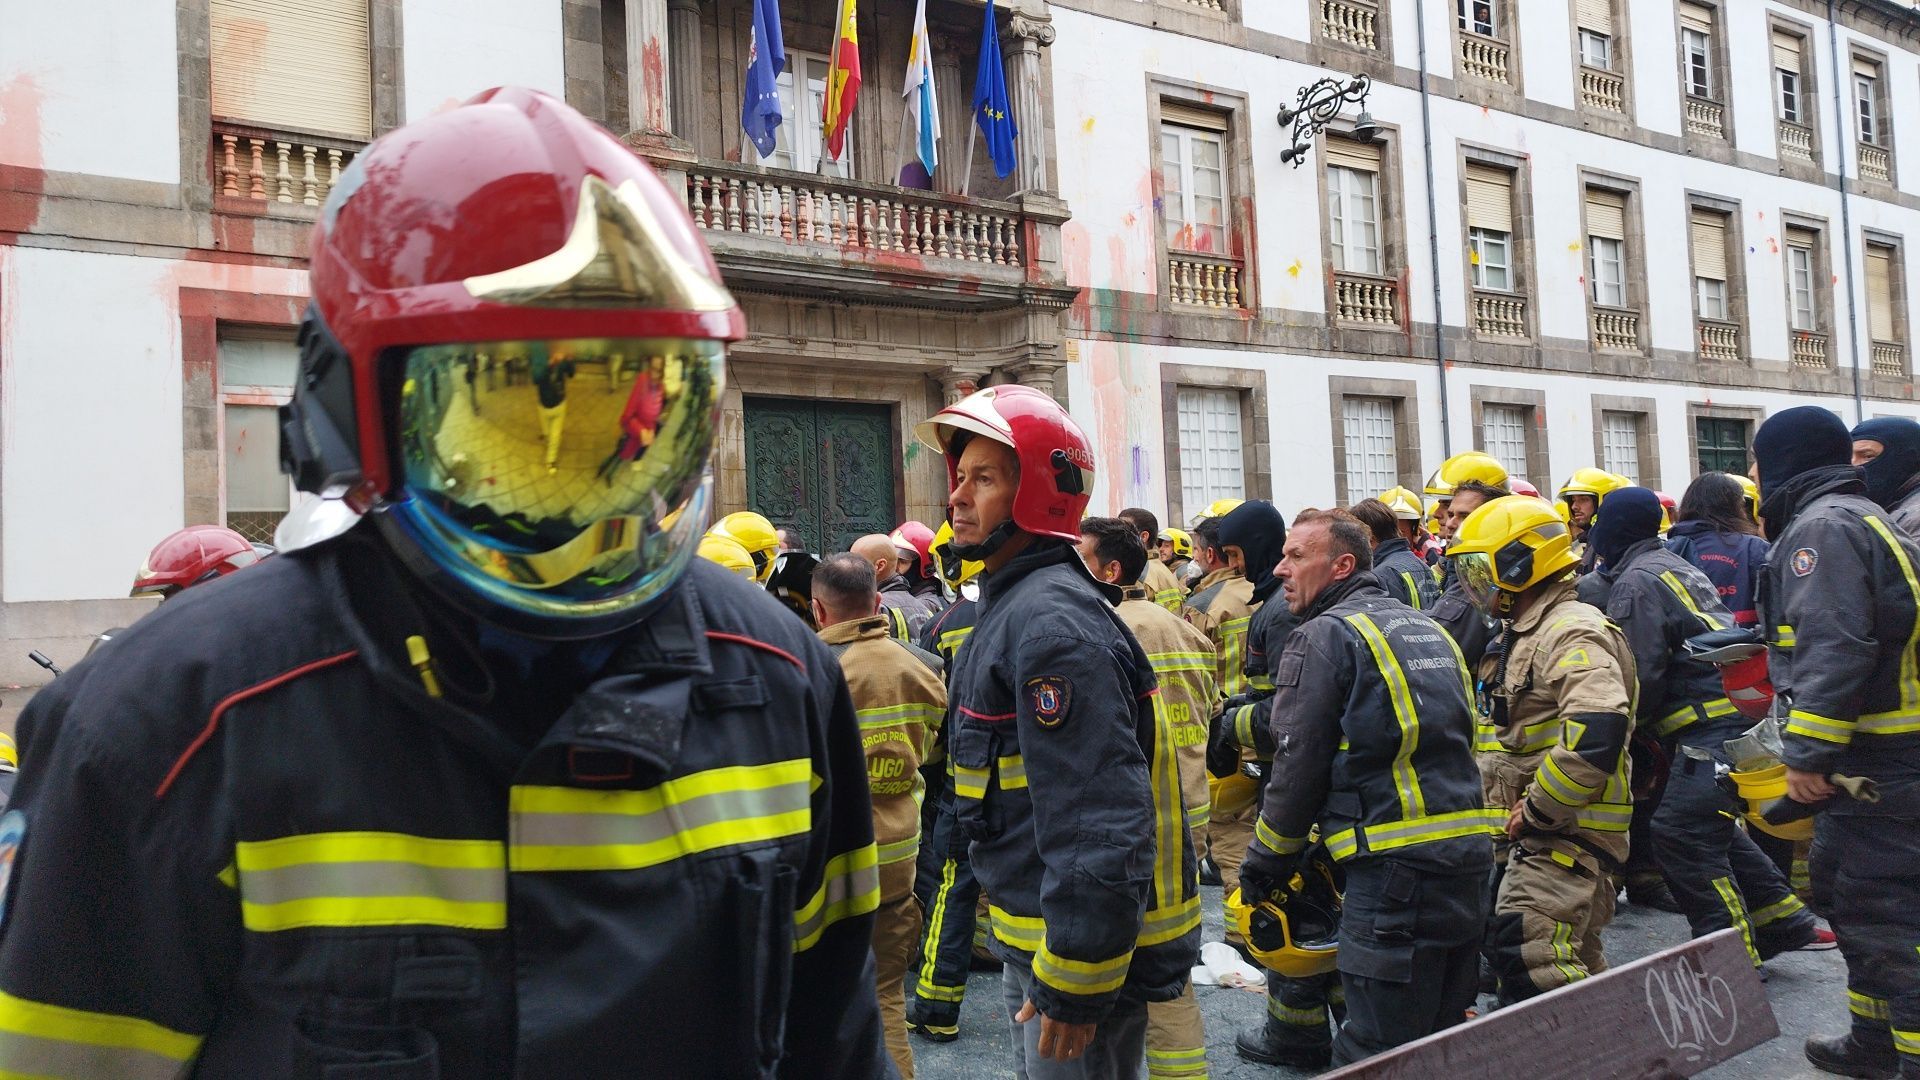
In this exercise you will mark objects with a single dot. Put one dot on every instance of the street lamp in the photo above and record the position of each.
(1318, 106)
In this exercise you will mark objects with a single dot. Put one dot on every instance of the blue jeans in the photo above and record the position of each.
(1118, 1050)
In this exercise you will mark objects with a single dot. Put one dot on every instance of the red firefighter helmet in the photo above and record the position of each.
(1749, 685)
(1056, 461)
(1521, 487)
(916, 537)
(195, 554)
(465, 270)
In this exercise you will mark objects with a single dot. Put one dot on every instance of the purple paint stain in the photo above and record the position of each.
(1139, 466)
(1158, 203)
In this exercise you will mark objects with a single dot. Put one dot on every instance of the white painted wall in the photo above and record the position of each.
(457, 48)
(90, 88)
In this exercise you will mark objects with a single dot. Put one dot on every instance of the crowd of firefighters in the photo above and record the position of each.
(486, 774)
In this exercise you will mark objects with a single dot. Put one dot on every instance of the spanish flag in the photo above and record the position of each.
(843, 80)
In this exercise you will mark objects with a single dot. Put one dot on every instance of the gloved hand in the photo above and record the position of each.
(1264, 873)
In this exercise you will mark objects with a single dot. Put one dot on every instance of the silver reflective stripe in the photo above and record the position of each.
(33, 1056)
(700, 811)
(305, 881)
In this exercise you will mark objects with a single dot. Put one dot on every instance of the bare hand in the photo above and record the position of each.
(1058, 1039)
(1516, 819)
(1807, 787)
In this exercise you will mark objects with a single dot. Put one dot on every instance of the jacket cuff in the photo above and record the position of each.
(1814, 723)
(1074, 991)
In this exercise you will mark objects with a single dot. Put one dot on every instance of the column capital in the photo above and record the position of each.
(1041, 373)
(1030, 28)
(957, 382)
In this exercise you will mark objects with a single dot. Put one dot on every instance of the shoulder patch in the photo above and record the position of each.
(1803, 561)
(1050, 696)
(1576, 658)
(13, 830)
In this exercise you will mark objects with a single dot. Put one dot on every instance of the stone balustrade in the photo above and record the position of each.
(266, 166)
(1875, 162)
(1499, 314)
(1603, 90)
(1371, 301)
(1809, 350)
(1889, 358)
(1616, 330)
(1208, 281)
(1208, 5)
(1719, 340)
(1353, 22)
(1796, 141)
(1707, 118)
(1483, 57)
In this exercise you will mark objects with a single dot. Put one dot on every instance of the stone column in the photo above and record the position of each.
(956, 383)
(1030, 34)
(649, 95)
(954, 86)
(683, 38)
(1039, 374)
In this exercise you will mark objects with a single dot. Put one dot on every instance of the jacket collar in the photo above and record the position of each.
(1632, 553)
(1795, 495)
(897, 583)
(1386, 549)
(1225, 573)
(1354, 584)
(1045, 552)
(840, 633)
(1533, 608)
(1134, 592)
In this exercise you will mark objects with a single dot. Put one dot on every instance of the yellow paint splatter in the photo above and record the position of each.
(1294, 270)
(1087, 124)
(1575, 246)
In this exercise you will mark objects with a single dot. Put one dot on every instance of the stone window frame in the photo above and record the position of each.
(1357, 58)
(1405, 396)
(1256, 449)
(1810, 100)
(1238, 159)
(1539, 463)
(1648, 412)
(1883, 110)
(1696, 410)
(1510, 95)
(1228, 12)
(1721, 72)
(1390, 210)
(1525, 275)
(1635, 243)
(1823, 299)
(1902, 318)
(202, 314)
(1737, 306)
(1622, 46)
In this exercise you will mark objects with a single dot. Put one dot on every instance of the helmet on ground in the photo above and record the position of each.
(1056, 461)
(1295, 933)
(9, 753)
(726, 551)
(953, 570)
(1218, 508)
(514, 361)
(1598, 483)
(1752, 491)
(1508, 546)
(195, 554)
(914, 536)
(755, 533)
(1181, 540)
(1521, 487)
(1404, 504)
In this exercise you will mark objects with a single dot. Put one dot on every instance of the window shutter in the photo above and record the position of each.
(293, 65)
(1709, 246)
(1880, 293)
(1786, 51)
(1696, 17)
(1865, 66)
(1606, 214)
(1802, 238)
(1354, 155)
(1489, 198)
(1173, 112)
(1595, 15)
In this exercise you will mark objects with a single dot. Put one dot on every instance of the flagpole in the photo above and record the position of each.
(973, 136)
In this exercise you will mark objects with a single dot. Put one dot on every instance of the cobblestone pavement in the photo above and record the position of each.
(1808, 991)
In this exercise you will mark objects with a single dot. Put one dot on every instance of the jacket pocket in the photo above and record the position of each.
(759, 900)
(970, 750)
(330, 1050)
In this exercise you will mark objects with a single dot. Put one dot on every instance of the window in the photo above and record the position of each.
(1476, 16)
(1696, 50)
(1490, 227)
(1211, 462)
(1596, 50)
(1786, 76)
(1620, 444)
(1880, 293)
(1721, 444)
(1503, 434)
(1863, 100)
(1801, 262)
(257, 372)
(293, 65)
(1194, 178)
(1353, 206)
(797, 141)
(1709, 241)
(1606, 247)
(1372, 455)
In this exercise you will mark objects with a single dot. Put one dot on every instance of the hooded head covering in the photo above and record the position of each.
(1888, 474)
(1258, 530)
(1629, 516)
(1798, 440)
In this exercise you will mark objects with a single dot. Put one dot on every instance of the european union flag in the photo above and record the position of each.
(990, 108)
(766, 59)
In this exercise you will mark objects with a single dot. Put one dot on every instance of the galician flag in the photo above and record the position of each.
(843, 80)
(922, 126)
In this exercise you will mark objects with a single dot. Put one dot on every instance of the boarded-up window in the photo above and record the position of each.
(1880, 292)
(293, 65)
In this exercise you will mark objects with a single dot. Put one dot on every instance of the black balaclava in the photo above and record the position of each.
(1258, 530)
(1631, 515)
(1799, 440)
(1889, 474)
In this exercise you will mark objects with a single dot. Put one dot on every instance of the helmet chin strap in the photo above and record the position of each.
(985, 549)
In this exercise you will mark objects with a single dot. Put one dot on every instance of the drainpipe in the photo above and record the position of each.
(1433, 232)
(1840, 81)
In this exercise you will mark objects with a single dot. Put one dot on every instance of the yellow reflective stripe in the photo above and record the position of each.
(1198, 816)
(1909, 661)
(895, 715)
(1413, 591)
(951, 640)
(1737, 914)
(1565, 790)
(924, 986)
(1686, 715)
(1274, 842)
(850, 887)
(1406, 782)
(1536, 736)
(1177, 1064)
(38, 1039)
(565, 828)
(1888, 723)
(1314, 1016)
(363, 847)
(1564, 957)
(1679, 589)
(1243, 726)
(969, 783)
(1024, 932)
(1784, 637)
(370, 879)
(1776, 911)
(1605, 817)
(1165, 662)
(1262, 683)
(1343, 845)
(1169, 599)
(1164, 779)
(900, 850)
(1013, 772)
(1167, 923)
(1233, 655)
(1083, 977)
(1434, 827)
(1815, 726)
(1872, 1008)
(1906, 1042)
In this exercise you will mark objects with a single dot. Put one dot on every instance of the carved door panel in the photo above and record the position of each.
(823, 468)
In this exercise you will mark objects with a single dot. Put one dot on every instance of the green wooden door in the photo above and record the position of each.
(1722, 444)
(824, 468)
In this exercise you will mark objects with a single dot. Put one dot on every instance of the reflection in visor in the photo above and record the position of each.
(1476, 577)
(559, 466)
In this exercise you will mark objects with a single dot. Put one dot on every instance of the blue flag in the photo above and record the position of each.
(990, 108)
(766, 59)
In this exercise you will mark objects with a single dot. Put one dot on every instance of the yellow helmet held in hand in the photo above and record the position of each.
(1753, 495)
(1232, 794)
(1295, 933)
(1404, 504)
(952, 569)
(1181, 540)
(754, 533)
(1216, 508)
(1508, 546)
(727, 552)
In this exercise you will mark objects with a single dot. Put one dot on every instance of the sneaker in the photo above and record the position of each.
(1823, 939)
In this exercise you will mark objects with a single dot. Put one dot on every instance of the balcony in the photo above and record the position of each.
(1809, 350)
(1707, 118)
(1366, 300)
(1719, 340)
(264, 167)
(1796, 142)
(1498, 314)
(1875, 163)
(1616, 330)
(1350, 22)
(1206, 5)
(1483, 57)
(1209, 281)
(1889, 358)
(1602, 90)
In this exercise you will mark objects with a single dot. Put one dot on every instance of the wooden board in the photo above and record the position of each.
(1675, 1013)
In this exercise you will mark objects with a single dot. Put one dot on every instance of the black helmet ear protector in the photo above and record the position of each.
(318, 448)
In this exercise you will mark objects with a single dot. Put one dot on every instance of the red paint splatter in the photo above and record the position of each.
(23, 176)
(653, 75)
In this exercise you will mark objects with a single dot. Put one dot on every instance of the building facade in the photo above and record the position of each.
(1614, 232)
